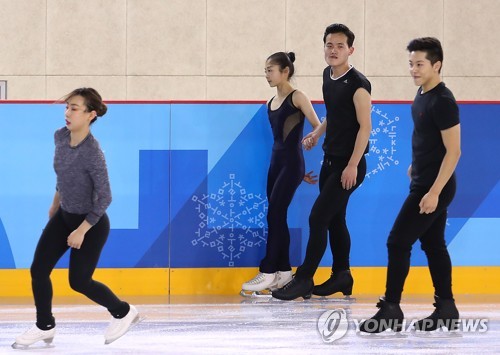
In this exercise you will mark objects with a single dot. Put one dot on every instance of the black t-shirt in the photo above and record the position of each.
(432, 112)
(342, 123)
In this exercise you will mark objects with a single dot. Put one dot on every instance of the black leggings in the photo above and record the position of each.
(285, 174)
(409, 226)
(51, 247)
(328, 217)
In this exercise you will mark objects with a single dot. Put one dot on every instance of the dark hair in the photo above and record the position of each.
(431, 46)
(283, 59)
(92, 100)
(340, 28)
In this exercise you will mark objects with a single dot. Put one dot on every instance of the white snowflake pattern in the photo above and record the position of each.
(383, 143)
(231, 220)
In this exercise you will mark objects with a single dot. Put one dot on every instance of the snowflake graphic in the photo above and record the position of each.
(231, 220)
(383, 142)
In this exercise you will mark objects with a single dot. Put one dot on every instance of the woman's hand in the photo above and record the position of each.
(310, 178)
(310, 140)
(75, 239)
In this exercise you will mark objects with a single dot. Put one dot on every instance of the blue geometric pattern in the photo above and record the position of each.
(189, 181)
(6, 258)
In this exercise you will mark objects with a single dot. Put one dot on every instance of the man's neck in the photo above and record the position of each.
(431, 84)
(340, 70)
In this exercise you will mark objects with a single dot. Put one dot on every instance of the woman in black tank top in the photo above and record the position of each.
(287, 111)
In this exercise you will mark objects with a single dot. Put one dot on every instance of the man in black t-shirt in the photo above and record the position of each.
(346, 93)
(435, 154)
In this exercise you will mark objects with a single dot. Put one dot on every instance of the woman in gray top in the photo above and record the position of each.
(78, 220)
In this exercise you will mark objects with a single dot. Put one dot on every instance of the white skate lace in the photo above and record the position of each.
(257, 279)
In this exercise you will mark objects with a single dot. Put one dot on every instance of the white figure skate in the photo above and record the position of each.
(118, 327)
(260, 286)
(34, 335)
(284, 277)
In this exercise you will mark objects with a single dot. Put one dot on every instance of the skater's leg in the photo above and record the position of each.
(408, 227)
(403, 235)
(438, 258)
(278, 240)
(340, 238)
(82, 265)
(332, 201)
(265, 279)
(83, 262)
(439, 261)
(50, 248)
(268, 265)
(319, 220)
(340, 279)
(340, 243)
(434, 245)
(280, 190)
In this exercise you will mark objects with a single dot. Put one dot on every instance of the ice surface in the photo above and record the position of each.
(237, 325)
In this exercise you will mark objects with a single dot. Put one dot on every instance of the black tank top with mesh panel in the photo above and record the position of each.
(287, 123)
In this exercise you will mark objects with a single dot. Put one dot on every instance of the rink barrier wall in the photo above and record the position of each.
(161, 243)
(227, 281)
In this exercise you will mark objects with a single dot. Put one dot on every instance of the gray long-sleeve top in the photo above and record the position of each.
(82, 176)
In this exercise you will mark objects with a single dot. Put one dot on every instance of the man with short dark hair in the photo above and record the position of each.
(346, 93)
(435, 154)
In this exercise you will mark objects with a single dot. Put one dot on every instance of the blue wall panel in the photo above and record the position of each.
(189, 185)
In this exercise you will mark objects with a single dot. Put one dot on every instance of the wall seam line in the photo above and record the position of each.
(364, 36)
(46, 44)
(286, 29)
(126, 49)
(206, 49)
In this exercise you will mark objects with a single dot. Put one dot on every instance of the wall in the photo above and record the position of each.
(189, 199)
(215, 49)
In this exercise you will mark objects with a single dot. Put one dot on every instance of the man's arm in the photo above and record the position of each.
(363, 104)
(451, 141)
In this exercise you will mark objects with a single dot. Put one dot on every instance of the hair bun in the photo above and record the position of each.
(101, 111)
(291, 55)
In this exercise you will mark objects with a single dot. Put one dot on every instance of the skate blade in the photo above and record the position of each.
(256, 300)
(345, 299)
(35, 346)
(138, 319)
(437, 334)
(387, 334)
(256, 294)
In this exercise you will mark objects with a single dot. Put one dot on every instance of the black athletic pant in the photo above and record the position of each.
(328, 216)
(285, 174)
(52, 245)
(409, 226)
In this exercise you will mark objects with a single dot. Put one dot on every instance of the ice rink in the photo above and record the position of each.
(237, 325)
